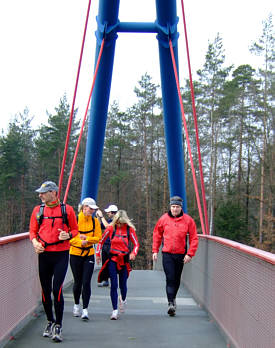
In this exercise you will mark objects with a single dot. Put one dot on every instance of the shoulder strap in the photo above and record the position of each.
(40, 215)
(64, 214)
(114, 233)
(128, 233)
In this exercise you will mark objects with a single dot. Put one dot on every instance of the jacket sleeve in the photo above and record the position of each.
(34, 227)
(157, 236)
(96, 236)
(134, 240)
(72, 220)
(193, 238)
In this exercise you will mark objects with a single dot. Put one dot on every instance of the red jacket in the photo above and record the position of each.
(49, 229)
(118, 245)
(172, 231)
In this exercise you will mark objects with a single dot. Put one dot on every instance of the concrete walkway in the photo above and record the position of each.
(144, 324)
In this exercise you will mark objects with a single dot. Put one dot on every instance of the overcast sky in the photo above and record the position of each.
(40, 44)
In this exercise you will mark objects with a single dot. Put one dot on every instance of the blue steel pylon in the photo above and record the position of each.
(166, 28)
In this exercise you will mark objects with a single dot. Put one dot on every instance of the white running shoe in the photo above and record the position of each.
(76, 310)
(122, 304)
(114, 315)
(57, 333)
(48, 329)
(85, 314)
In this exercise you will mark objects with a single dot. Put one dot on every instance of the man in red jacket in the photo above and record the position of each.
(52, 225)
(171, 231)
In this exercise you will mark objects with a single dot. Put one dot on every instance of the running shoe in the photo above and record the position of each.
(48, 329)
(85, 314)
(171, 309)
(57, 333)
(122, 304)
(114, 315)
(76, 310)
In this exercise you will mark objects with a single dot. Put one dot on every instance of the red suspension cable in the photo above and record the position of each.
(83, 123)
(73, 103)
(196, 123)
(187, 136)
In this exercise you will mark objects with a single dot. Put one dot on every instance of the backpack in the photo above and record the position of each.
(128, 237)
(40, 216)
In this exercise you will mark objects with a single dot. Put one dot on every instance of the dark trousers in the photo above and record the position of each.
(52, 267)
(123, 275)
(82, 269)
(172, 266)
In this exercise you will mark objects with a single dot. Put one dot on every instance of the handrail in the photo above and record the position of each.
(260, 254)
(13, 238)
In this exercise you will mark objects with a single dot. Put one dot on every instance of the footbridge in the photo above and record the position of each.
(226, 299)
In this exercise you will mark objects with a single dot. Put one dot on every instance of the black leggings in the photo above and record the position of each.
(52, 268)
(82, 268)
(172, 266)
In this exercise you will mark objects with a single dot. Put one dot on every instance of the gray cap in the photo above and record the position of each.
(47, 186)
(176, 200)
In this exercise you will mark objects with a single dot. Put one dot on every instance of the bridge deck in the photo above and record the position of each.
(144, 324)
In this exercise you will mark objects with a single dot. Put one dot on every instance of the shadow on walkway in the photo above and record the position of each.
(145, 322)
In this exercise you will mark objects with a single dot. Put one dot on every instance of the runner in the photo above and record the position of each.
(82, 259)
(171, 231)
(52, 224)
(121, 231)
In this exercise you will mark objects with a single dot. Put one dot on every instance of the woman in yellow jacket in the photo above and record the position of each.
(82, 259)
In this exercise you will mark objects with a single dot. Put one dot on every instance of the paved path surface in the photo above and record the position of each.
(144, 324)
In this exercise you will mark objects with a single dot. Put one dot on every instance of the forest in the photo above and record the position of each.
(236, 124)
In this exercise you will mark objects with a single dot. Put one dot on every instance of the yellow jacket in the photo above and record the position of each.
(93, 234)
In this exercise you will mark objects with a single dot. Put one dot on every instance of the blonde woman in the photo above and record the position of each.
(82, 259)
(121, 231)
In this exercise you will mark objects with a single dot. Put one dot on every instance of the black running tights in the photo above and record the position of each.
(82, 268)
(172, 266)
(52, 271)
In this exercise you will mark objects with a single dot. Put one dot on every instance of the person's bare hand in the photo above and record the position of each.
(187, 259)
(38, 247)
(63, 235)
(132, 257)
(82, 236)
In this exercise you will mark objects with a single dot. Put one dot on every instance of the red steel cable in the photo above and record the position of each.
(83, 123)
(195, 122)
(73, 103)
(187, 136)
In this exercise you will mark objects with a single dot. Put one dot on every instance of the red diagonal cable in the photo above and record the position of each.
(73, 103)
(83, 123)
(187, 136)
(196, 123)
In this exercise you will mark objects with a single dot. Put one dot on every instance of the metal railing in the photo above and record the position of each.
(20, 291)
(235, 283)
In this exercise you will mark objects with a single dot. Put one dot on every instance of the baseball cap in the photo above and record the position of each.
(111, 207)
(90, 202)
(47, 186)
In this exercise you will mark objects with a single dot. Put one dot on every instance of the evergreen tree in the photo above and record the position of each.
(264, 48)
(16, 175)
(212, 79)
(50, 144)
